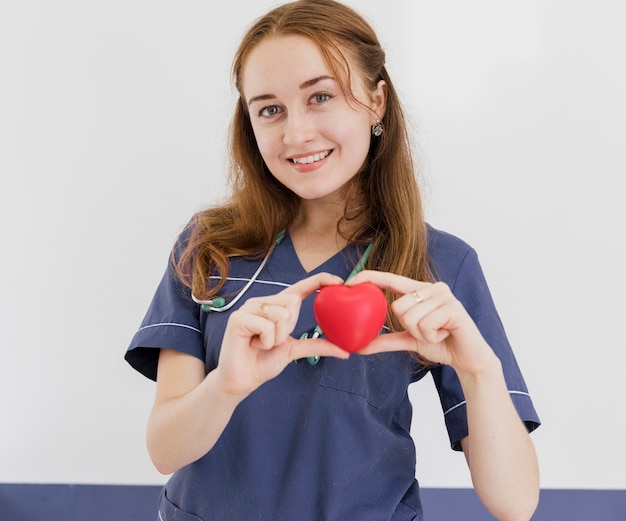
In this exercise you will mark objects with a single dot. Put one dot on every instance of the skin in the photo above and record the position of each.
(297, 111)
(301, 112)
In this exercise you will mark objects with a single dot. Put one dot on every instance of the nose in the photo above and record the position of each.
(299, 128)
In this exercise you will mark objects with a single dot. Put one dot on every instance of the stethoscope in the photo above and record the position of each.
(219, 303)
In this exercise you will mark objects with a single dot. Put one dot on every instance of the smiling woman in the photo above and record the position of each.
(306, 125)
(324, 191)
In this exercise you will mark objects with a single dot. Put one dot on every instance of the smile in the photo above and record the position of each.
(310, 159)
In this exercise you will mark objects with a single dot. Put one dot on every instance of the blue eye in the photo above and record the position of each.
(321, 97)
(268, 112)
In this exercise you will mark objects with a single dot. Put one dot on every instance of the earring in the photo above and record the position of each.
(378, 129)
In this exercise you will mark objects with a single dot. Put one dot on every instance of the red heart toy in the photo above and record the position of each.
(350, 316)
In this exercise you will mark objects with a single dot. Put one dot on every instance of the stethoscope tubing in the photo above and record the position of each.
(209, 305)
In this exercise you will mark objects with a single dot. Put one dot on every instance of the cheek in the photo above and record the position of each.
(265, 143)
(354, 137)
(349, 124)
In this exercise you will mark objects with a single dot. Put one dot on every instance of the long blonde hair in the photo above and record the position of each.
(384, 196)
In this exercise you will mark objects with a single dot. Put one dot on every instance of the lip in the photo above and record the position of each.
(312, 164)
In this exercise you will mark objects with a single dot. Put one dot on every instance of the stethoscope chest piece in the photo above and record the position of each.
(313, 360)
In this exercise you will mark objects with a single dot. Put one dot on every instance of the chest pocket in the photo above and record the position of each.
(373, 377)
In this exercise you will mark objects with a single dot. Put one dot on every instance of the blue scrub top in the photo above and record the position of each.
(325, 442)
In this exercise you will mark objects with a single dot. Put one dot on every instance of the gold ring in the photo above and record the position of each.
(418, 297)
(263, 309)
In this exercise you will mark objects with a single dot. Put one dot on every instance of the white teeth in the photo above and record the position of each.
(311, 159)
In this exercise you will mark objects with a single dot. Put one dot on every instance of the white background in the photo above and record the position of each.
(113, 119)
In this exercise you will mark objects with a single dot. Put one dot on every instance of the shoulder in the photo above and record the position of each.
(447, 254)
(455, 262)
(187, 234)
(440, 242)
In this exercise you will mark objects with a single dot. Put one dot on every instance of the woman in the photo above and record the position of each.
(255, 422)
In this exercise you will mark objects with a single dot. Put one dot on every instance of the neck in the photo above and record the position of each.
(318, 218)
(314, 233)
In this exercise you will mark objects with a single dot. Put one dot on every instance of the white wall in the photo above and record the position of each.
(113, 118)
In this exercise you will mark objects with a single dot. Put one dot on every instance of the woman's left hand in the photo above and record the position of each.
(501, 457)
(436, 324)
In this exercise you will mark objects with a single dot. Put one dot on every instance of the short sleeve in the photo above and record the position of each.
(172, 322)
(455, 263)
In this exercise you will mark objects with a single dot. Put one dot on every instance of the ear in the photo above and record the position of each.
(379, 99)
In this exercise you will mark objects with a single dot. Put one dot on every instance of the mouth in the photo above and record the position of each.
(313, 158)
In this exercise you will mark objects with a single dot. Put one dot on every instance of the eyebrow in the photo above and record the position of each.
(304, 85)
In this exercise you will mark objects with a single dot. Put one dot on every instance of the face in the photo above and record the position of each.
(311, 139)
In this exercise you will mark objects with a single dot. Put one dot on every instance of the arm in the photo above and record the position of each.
(501, 457)
(189, 414)
(498, 449)
(191, 409)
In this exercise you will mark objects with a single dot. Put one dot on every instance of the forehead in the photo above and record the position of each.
(277, 56)
(283, 61)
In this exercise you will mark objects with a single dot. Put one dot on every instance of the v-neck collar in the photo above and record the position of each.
(287, 261)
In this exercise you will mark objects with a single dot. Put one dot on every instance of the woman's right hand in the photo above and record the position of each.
(257, 343)
(191, 409)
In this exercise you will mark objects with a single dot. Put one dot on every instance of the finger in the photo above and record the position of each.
(310, 285)
(427, 314)
(423, 300)
(285, 319)
(283, 316)
(270, 319)
(428, 325)
(254, 330)
(263, 341)
(434, 328)
(263, 306)
(281, 311)
(390, 342)
(267, 334)
(404, 341)
(395, 283)
(315, 347)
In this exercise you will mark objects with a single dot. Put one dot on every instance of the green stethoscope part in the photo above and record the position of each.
(219, 303)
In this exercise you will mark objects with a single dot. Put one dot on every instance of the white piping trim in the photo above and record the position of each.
(170, 324)
(242, 279)
(160, 516)
(454, 407)
(464, 402)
